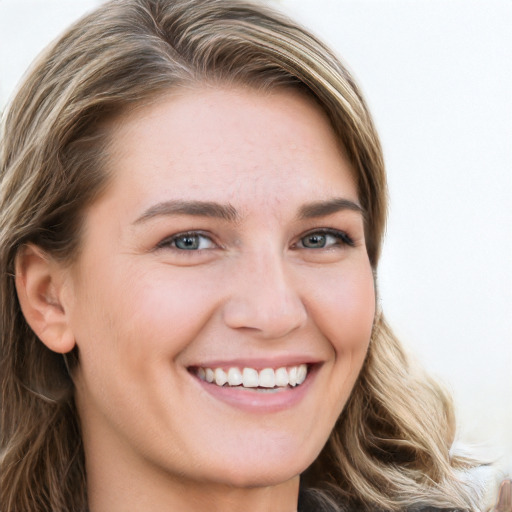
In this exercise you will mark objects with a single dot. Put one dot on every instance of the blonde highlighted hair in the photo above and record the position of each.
(390, 448)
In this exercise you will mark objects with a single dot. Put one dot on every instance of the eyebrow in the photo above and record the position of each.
(194, 208)
(229, 212)
(324, 208)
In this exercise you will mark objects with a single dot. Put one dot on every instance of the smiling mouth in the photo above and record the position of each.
(267, 379)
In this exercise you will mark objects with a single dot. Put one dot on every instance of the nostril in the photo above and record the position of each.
(273, 318)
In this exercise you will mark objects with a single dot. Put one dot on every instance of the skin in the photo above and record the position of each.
(143, 312)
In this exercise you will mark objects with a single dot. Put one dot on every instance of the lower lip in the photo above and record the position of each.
(259, 401)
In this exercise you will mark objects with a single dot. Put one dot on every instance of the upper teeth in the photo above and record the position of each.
(251, 378)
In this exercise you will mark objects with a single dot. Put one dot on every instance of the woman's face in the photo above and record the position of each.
(229, 243)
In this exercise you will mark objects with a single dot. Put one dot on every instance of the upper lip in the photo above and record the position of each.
(258, 363)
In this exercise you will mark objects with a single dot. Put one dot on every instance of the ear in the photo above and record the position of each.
(39, 283)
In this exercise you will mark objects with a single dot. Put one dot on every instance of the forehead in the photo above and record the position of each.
(242, 143)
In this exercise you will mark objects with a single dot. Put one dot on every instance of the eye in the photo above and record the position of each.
(324, 239)
(192, 241)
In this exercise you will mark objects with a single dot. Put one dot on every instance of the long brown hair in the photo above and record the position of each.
(390, 448)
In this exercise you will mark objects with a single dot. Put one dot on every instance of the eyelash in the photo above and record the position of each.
(170, 242)
(342, 239)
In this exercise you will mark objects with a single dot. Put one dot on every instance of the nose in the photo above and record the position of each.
(263, 300)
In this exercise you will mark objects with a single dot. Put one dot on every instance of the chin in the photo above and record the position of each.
(263, 472)
(248, 479)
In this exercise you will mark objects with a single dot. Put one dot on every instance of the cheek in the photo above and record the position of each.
(132, 317)
(129, 330)
(168, 309)
(345, 308)
(343, 311)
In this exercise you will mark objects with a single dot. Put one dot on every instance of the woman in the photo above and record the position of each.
(192, 206)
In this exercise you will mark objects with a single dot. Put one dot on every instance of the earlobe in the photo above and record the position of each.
(39, 283)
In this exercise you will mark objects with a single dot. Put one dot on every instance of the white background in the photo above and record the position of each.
(438, 79)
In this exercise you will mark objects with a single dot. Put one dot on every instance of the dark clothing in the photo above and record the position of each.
(310, 502)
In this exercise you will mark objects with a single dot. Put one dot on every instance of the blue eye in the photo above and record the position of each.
(325, 239)
(314, 241)
(188, 242)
